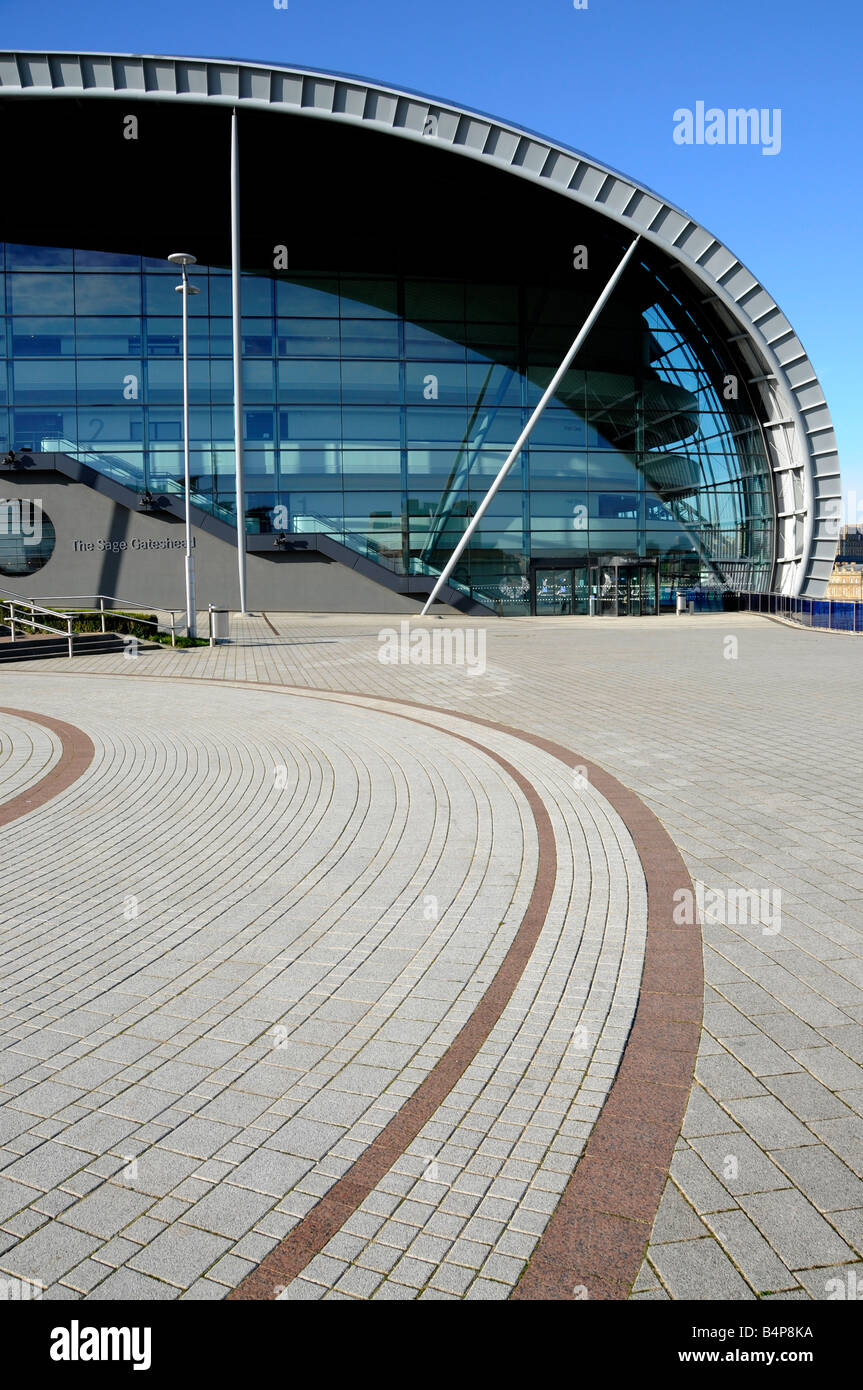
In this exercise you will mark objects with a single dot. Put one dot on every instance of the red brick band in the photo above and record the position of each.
(77, 755)
(594, 1243)
(327, 1217)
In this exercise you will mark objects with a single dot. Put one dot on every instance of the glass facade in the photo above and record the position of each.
(380, 409)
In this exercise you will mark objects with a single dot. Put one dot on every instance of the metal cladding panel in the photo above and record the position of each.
(739, 298)
(588, 180)
(288, 90)
(381, 106)
(129, 74)
(473, 135)
(772, 325)
(350, 101)
(790, 350)
(825, 486)
(531, 156)
(160, 77)
(255, 85)
(756, 303)
(817, 418)
(447, 124)
(695, 241)
(559, 169)
(35, 72)
(810, 395)
(643, 209)
(66, 72)
(502, 145)
(223, 81)
(800, 374)
(617, 195)
(412, 115)
(669, 225)
(717, 261)
(318, 94)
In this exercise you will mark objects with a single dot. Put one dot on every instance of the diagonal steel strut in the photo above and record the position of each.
(526, 432)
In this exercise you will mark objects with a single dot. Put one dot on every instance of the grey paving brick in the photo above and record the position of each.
(770, 1123)
(699, 1269)
(759, 1264)
(125, 1285)
(675, 1218)
(228, 1210)
(739, 1164)
(179, 1255)
(823, 1177)
(704, 1116)
(106, 1211)
(698, 1184)
(844, 1137)
(805, 1097)
(48, 1254)
(798, 1233)
(839, 1283)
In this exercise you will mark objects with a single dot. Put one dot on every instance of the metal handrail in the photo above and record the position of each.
(14, 618)
(101, 610)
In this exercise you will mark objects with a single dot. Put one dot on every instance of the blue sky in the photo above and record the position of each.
(606, 79)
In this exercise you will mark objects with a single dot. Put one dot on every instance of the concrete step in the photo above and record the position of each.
(83, 644)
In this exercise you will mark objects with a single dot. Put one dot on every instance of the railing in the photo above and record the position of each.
(72, 600)
(126, 605)
(369, 548)
(12, 618)
(114, 466)
(834, 615)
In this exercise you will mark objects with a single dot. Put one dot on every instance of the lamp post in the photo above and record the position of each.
(183, 259)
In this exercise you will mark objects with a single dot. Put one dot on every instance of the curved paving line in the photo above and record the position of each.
(594, 1244)
(327, 1217)
(77, 755)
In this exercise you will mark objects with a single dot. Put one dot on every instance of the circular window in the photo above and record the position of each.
(27, 537)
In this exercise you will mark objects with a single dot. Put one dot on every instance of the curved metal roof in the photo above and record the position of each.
(798, 426)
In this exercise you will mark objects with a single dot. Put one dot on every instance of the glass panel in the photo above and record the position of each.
(37, 257)
(553, 592)
(108, 294)
(43, 337)
(41, 294)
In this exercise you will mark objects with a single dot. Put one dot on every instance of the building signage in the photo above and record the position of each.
(104, 546)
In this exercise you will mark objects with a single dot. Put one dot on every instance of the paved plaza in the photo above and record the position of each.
(325, 976)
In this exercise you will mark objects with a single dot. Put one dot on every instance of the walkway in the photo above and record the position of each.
(250, 929)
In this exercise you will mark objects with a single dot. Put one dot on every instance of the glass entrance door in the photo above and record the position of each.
(612, 589)
(553, 592)
(636, 591)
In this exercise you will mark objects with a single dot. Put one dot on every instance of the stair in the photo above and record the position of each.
(83, 644)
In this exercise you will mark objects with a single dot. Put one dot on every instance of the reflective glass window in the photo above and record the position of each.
(108, 294)
(41, 294)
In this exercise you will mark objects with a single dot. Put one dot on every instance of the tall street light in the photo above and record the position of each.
(183, 259)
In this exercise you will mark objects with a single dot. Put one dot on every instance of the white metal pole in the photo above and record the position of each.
(190, 559)
(236, 310)
(526, 432)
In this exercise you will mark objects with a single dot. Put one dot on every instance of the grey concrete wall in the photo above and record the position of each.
(108, 548)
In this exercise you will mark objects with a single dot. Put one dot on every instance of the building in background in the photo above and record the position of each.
(845, 583)
(413, 274)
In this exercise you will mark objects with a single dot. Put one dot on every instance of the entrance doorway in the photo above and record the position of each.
(616, 587)
(563, 590)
